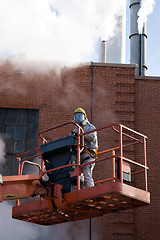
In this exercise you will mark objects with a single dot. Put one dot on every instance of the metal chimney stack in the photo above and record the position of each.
(103, 51)
(137, 41)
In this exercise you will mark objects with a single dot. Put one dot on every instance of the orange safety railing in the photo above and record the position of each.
(115, 152)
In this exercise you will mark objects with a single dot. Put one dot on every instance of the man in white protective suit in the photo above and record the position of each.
(91, 146)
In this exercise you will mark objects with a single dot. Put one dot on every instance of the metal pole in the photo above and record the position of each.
(19, 172)
(113, 166)
(42, 162)
(78, 158)
(90, 221)
(140, 54)
(91, 90)
(103, 51)
(145, 164)
(19, 165)
(90, 229)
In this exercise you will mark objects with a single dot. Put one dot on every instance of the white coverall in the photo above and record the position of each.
(91, 143)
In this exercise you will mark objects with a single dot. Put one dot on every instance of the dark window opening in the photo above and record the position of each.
(19, 128)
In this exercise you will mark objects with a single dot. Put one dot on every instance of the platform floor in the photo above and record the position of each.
(83, 204)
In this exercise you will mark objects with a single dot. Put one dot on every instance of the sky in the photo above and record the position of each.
(53, 30)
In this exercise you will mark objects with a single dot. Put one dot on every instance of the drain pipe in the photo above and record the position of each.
(91, 92)
(91, 120)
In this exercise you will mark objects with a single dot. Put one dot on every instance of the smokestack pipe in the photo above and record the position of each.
(137, 41)
(103, 51)
(140, 54)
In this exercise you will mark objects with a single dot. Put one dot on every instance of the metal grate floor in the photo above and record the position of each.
(83, 204)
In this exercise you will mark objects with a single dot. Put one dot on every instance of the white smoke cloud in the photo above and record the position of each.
(12, 229)
(57, 30)
(147, 7)
(15, 229)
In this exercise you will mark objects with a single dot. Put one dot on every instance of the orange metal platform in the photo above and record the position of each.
(82, 204)
(53, 205)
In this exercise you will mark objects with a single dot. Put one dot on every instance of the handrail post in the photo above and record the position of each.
(145, 163)
(113, 165)
(78, 158)
(19, 172)
(42, 161)
(121, 152)
(19, 165)
(42, 165)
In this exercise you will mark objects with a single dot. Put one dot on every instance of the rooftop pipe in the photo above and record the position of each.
(137, 40)
(103, 51)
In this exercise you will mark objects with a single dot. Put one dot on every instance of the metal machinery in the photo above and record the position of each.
(60, 198)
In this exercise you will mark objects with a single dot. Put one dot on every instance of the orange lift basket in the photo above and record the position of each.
(60, 199)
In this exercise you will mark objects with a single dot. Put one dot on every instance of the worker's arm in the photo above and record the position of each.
(91, 136)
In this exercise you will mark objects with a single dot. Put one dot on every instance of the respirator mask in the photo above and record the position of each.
(79, 118)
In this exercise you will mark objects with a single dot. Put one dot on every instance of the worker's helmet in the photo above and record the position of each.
(79, 115)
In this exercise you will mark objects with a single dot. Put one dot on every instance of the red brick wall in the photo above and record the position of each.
(148, 121)
(114, 96)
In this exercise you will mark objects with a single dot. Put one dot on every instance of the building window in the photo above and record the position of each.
(19, 128)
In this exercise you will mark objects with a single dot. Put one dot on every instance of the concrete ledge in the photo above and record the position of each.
(147, 78)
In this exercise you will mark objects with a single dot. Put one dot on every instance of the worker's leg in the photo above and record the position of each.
(87, 172)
